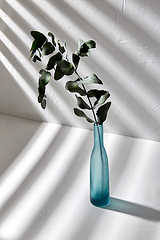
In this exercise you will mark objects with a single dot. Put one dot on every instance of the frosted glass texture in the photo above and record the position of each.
(99, 172)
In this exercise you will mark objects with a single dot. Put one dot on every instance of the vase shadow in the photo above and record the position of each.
(133, 209)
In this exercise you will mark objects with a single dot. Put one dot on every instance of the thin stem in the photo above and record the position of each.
(87, 98)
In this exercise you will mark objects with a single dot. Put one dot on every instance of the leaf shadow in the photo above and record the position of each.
(133, 209)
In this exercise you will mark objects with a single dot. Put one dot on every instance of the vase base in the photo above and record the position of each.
(100, 203)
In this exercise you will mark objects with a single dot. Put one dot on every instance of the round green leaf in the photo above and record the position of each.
(58, 73)
(34, 46)
(91, 79)
(41, 88)
(84, 50)
(53, 60)
(47, 49)
(52, 37)
(32, 54)
(75, 59)
(36, 58)
(61, 48)
(41, 71)
(45, 77)
(80, 113)
(81, 103)
(43, 103)
(91, 44)
(73, 87)
(39, 37)
(80, 43)
(95, 93)
(102, 99)
(40, 97)
(102, 112)
(66, 67)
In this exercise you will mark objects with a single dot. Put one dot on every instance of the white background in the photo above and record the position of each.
(44, 154)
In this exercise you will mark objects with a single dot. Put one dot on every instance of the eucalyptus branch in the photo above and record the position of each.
(87, 97)
(63, 67)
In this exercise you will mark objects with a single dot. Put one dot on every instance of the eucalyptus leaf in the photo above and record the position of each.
(80, 113)
(40, 55)
(83, 47)
(41, 71)
(53, 60)
(102, 112)
(95, 93)
(102, 99)
(45, 77)
(81, 103)
(91, 44)
(100, 95)
(47, 49)
(34, 46)
(40, 97)
(41, 88)
(36, 58)
(43, 103)
(84, 50)
(39, 37)
(75, 59)
(67, 58)
(58, 73)
(91, 79)
(66, 67)
(80, 43)
(73, 87)
(61, 48)
(52, 37)
(32, 54)
(33, 49)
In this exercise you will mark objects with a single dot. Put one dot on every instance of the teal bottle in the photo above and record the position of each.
(99, 171)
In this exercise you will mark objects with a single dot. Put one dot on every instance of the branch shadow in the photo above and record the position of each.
(133, 209)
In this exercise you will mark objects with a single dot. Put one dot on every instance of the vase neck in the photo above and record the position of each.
(98, 134)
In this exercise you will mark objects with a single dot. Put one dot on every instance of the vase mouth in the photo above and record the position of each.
(98, 125)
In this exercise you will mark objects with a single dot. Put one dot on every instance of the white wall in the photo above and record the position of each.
(126, 59)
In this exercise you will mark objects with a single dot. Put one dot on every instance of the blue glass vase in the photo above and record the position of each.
(99, 171)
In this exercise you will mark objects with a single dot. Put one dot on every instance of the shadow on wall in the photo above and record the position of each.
(133, 209)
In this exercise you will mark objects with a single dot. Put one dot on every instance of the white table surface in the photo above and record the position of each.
(44, 184)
